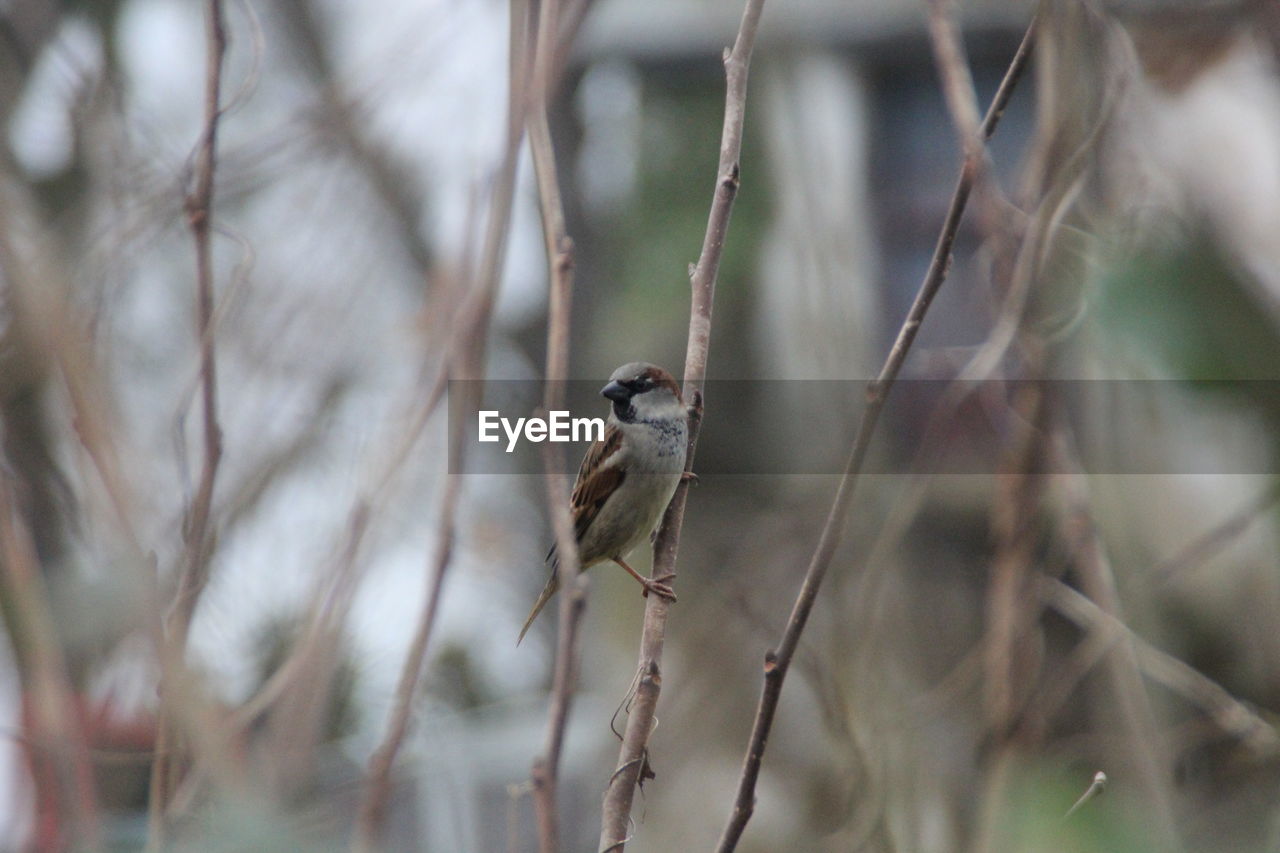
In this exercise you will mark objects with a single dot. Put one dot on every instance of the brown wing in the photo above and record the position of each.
(595, 483)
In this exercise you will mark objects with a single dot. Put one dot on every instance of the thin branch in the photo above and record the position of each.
(339, 115)
(777, 662)
(618, 798)
(1011, 655)
(199, 541)
(272, 468)
(1227, 712)
(994, 212)
(46, 685)
(546, 767)
(330, 604)
(957, 80)
(1209, 544)
(199, 208)
(465, 354)
(296, 689)
(572, 14)
(1096, 787)
(377, 791)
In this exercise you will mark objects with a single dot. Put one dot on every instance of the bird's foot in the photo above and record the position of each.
(659, 586)
(690, 478)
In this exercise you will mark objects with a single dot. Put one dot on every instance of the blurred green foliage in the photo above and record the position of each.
(1191, 310)
(1185, 310)
(1037, 820)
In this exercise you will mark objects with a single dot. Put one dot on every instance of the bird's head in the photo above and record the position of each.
(643, 392)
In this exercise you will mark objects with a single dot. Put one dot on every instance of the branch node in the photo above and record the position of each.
(732, 179)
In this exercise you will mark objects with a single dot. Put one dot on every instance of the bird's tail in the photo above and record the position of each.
(553, 584)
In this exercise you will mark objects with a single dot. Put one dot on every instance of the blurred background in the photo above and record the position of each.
(967, 670)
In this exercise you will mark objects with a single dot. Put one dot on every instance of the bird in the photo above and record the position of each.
(627, 477)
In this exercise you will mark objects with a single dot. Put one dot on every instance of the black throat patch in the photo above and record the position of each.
(624, 412)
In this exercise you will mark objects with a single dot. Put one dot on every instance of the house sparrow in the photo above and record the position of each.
(627, 478)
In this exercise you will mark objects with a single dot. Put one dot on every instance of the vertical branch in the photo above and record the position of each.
(776, 663)
(545, 772)
(616, 812)
(199, 208)
(198, 541)
(46, 686)
(465, 355)
(1009, 657)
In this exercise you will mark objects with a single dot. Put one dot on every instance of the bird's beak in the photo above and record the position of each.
(616, 391)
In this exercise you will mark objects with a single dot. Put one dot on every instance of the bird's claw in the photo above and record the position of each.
(658, 586)
(690, 478)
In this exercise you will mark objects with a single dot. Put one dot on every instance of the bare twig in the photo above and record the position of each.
(466, 355)
(46, 685)
(340, 117)
(328, 609)
(777, 662)
(1096, 787)
(572, 14)
(616, 813)
(271, 468)
(199, 208)
(545, 772)
(196, 528)
(1227, 712)
(377, 791)
(1204, 547)
(993, 210)
(39, 288)
(957, 80)
(298, 686)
